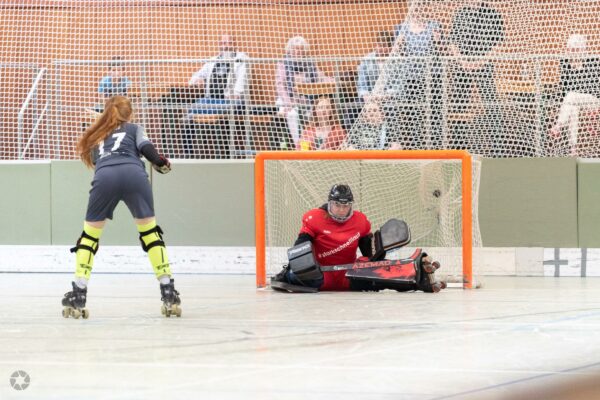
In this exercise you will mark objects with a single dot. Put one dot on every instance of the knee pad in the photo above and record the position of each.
(154, 243)
(80, 246)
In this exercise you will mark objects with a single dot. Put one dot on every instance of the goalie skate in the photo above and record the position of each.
(289, 288)
(429, 267)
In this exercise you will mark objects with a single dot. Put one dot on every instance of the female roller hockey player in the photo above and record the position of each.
(114, 146)
(324, 255)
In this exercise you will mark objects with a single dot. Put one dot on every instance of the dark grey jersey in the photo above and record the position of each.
(122, 146)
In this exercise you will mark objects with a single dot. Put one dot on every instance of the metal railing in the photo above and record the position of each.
(62, 74)
(21, 115)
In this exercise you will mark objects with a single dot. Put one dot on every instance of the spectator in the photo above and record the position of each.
(372, 134)
(224, 76)
(324, 131)
(372, 64)
(477, 31)
(296, 68)
(224, 79)
(419, 78)
(113, 84)
(579, 88)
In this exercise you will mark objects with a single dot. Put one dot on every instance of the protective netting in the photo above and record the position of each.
(225, 78)
(424, 193)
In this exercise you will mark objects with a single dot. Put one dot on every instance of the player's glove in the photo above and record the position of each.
(165, 166)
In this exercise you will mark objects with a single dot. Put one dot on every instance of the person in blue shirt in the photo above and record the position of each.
(115, 83)
(414, 83)
(372, 64)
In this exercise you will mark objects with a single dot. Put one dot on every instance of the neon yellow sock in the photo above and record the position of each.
(84, 259)
(157, 254)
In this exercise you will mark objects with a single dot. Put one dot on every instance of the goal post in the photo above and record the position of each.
(282, 177)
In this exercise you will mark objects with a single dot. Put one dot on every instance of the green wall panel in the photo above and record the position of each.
(523, 203)
(588, 178)
(528, 202)
(206, 203)
(25, 203)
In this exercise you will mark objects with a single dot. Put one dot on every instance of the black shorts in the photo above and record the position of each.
(113, 183)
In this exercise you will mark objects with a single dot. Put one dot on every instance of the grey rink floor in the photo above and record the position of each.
(236, 342)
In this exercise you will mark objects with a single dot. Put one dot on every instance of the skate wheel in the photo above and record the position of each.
(65, 313)
(443, 285)
(163, 310)
(76, 314)
(436, 288)
(178, 311)
(436, 264)
(85, 314)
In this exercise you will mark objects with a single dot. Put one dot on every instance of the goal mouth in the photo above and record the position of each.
(434, 191)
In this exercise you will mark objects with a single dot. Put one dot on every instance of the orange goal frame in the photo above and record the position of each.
(259, 193)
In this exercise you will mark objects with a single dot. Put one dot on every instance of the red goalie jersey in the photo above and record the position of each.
(335, 242)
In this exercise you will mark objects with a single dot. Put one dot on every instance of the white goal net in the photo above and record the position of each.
(426, 193)
(228, 78)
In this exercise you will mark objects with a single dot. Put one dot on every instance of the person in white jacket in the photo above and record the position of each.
(225, 76)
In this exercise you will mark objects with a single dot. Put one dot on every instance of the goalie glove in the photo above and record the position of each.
(165, 166)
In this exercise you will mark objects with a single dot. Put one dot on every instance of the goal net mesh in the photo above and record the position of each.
(225, 79)
(424, 193)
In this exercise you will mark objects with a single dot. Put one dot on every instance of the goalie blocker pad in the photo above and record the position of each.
(302, 263)
(392, 235)
(302, 274)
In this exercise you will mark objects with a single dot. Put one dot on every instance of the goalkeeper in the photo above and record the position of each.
(324, 256)
(114, 146)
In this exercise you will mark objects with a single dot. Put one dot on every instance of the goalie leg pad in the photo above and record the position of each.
(401, 277)
(414, 273)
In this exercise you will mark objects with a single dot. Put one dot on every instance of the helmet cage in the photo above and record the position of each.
(336, 217)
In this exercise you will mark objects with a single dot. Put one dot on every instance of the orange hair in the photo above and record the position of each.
(116, 111)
